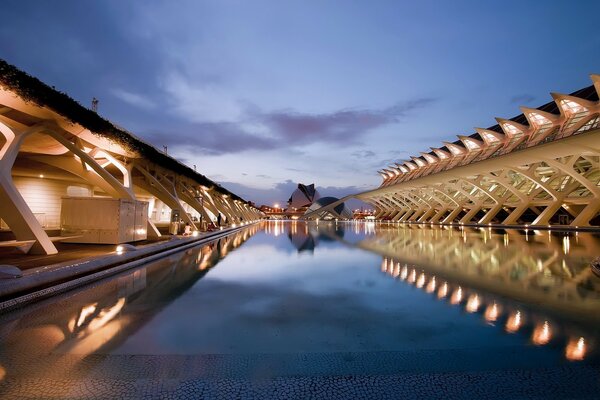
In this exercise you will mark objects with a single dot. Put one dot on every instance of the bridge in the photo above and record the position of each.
(51, 148)
(539, 169)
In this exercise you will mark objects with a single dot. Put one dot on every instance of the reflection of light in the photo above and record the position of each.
(413, 276)
(2, 373)
(421, 280)
(443, 292)
(456, 296)
(396, 271)
(384, 265)
(96, 339)
(106, 315)
(85, 311)
(404, 273)
(473, 303)
(541, 334)
(514, 322)
(431, 286)
(575, 350)
(492, 312)
(566, 244)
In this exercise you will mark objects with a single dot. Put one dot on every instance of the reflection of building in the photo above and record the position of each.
(339, 211)
(92, 320)
(301, 237)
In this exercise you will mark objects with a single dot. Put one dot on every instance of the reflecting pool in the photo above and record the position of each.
(334, 303)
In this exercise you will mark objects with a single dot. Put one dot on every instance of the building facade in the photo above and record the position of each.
(52, 148)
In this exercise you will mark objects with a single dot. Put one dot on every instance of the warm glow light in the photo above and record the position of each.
(404, 273)
(443, 292)
(473, 303)
(413, 276)
(492, 312)
(421, 280)
(575, 350)
(514, 322)
(41, 175)
(195, 233)
(456, 296)
(431, 286)
(85, 311)
(106, 315)
(541, 334)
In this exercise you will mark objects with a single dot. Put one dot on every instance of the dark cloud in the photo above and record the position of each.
(343, 126)
(522, 99)
(263, 176)
(285, 128)
(211, 138)
(363, 154)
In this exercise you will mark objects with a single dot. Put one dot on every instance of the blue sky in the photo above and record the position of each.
(260, 95)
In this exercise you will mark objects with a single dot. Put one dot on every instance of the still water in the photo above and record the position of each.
(309, 299)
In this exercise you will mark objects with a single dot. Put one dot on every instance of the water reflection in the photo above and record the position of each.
(530, 288)
(55, 343)
(525, 278)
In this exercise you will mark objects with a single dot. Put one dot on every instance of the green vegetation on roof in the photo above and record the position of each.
(33, 90)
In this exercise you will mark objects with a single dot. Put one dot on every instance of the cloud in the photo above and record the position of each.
(259, 130)
(522, 99)
(343, 126)
(134, 99)
(363, 154)
(201, 100)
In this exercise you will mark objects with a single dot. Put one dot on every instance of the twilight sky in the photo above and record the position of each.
(261, 95)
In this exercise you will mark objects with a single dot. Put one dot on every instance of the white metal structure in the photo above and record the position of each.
(45, 156)
(539, 168)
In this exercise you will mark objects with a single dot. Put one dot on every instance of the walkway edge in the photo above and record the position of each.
(49, 283)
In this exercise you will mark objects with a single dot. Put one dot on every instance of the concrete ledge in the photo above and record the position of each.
(53, 279)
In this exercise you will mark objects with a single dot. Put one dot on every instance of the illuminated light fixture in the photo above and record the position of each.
(492, 312)
(125, 248)
(575, 350)
(514, 322)
(541, 334)
(195, 233)
(473, 303)
(41, 175)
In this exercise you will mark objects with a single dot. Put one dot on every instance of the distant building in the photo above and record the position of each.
(340, 211)
(303, 197)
